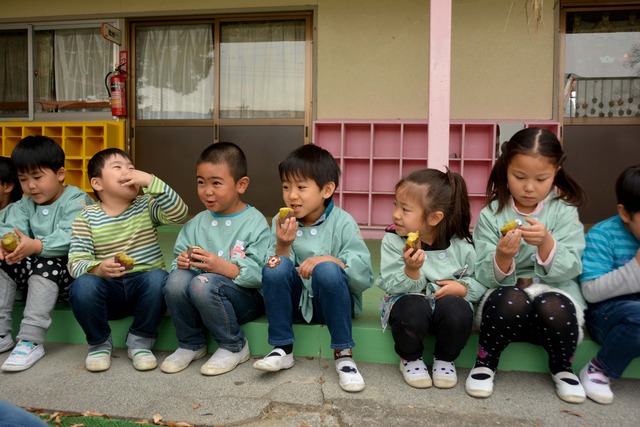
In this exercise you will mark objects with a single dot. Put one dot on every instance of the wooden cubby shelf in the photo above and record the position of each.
(374, 154)
(79, 140)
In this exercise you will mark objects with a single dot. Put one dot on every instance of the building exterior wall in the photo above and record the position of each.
(372, 57)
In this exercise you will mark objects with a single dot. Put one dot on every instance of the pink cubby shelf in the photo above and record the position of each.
(375, 154)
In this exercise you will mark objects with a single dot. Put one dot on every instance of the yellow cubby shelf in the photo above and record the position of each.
(79, 140)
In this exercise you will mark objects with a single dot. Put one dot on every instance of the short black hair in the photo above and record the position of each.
(310, 162)
(226, 153)
(37, 152)
(9, 175)
(97, 162)
(628, 189)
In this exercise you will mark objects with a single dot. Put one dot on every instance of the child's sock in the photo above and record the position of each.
(288, 349)
(338, 354)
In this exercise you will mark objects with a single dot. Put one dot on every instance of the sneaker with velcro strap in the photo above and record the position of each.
(24, 355)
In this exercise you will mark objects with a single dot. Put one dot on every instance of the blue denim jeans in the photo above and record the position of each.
(615, 325)
(12, 415)
(96, 300)
(199, 300)
(332, 302)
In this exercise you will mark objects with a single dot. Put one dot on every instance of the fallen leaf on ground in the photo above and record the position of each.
(157, 418)
(567, 411)
(196, 406)
(93, 414)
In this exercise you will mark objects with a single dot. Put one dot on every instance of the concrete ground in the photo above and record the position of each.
(307, 395)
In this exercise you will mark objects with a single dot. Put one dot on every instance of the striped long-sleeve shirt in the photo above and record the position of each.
(96, 236)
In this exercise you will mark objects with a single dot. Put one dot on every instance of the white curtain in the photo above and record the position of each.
(174, 72)
(82, 60)
(262, 69)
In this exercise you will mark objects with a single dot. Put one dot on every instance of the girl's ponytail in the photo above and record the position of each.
(459, 220)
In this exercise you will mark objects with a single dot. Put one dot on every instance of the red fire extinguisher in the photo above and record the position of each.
(114, 81)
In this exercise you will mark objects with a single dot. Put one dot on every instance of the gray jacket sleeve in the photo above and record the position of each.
(621, 281)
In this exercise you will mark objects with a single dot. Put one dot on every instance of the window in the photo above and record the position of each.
(14, 83)
(69, 67)
(261, 67)
(602, 64)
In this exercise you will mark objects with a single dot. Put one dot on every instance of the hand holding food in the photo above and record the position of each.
(10, 241)
(413, 242)
(124, 260)
(285, 213)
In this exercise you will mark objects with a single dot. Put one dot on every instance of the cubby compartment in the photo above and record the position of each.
(479, 141)
(355, 175)
(331, 136)
(32, 131)
(381, 210)
(358, 136)
(415, 138)
(477, 203)
(73, 147)
(385, 175)
(92, 145)
(409, 166)
(476, 175)
(358, 206)
(386, 140)
(455, 141)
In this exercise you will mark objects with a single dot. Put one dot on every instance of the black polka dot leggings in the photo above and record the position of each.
(509, 315)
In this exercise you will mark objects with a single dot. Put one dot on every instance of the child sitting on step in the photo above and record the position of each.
(611, 285)
(429, 286)
(319, 265)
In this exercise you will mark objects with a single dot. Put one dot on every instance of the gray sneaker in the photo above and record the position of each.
(6, 343)
(181, 358)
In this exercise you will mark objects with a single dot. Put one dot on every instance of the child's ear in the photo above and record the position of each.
(7, 188)
(61, 174)
(96, 184)
(434, 218)
(328, 189)
(624, 215)
(242, 184)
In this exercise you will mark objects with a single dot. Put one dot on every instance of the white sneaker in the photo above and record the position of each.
(6, 343)
(568, 387)
(275, 361)
(415, 373)
(224, 361)
(482, 384)
(181, 358)
(98, 361)
(143, 359)
(23, 356)
(596, 384)
(348, 376)
(444, 374)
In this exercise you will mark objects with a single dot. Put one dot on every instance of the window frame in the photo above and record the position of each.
(572, 6)
(32, 114)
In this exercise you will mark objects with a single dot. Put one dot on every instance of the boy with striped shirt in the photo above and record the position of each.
(121, 222)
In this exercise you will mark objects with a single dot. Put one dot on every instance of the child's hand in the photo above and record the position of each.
(183, 261)
(414, 258)
(306, 268)
(450, 287)
(536, 233)
(137, 178)
(25, 248)
(285, 235)
(109, 269)
(507, 248)
(204, 260)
